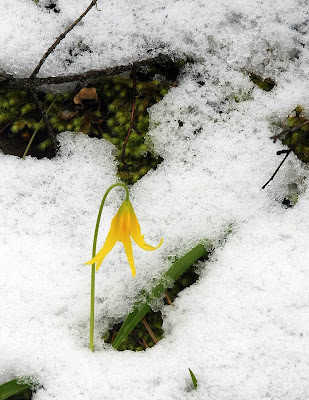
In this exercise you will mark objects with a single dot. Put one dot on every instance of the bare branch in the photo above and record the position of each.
(10, 81)
(287, 153)
(279, 166)
(58, 40)
(48, 126)
(289, 130)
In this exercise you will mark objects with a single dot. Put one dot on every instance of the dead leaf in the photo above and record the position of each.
(67, 114)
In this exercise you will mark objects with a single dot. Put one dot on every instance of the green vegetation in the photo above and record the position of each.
(193, 378)
(16, 390)
(266, 84)
(299, 139)
(108, 116)
(136, 331)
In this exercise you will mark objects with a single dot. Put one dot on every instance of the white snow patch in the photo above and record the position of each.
(243, 327)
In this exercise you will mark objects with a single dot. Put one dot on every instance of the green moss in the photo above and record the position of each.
(266, 84)
(110, 118)
(298, 140)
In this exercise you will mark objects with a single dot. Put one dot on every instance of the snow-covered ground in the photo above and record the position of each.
(243, 327)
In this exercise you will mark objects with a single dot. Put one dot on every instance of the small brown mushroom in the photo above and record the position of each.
(89, 94)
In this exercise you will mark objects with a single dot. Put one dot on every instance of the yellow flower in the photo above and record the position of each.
(123, 225)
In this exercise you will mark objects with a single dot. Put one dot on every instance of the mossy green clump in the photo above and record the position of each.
(266, 84)
(109, 117)
(116, 97)
(20, 118)
(298, 140)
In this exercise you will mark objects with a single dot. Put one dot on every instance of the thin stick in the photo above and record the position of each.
(279, 166)
(36, 131)
(40, 107)
(168, 299)
(136, 337)
(288, 152)
(8, 80)
(58, 40)
(289, 130)
(136, 130)
(153, 336)
(132, 119)
(8, 124)
(145, 343)
(113, 336)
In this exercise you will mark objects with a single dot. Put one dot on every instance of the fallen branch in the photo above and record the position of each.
(287, 153)
(10, 81)
(150, 331)
(31, 84)
(58, 40)
(289, 130)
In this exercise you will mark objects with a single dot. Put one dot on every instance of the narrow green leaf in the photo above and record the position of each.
(13, 388)
(140, 309)
(194, 380)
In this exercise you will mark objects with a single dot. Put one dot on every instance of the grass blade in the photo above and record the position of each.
(172, 274)
(13, 388)
(194, 380)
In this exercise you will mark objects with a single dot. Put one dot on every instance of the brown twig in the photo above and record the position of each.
(48, 126)
(287, 153)
(279, 166)
(136, 337)
(10, 81)
(289, 130)
(136, 130)
(168, 299)
(58, 40)
(8, 124)
(132, 119)
(145, 343)
(113, 335)
(31, 82)
(149, 330)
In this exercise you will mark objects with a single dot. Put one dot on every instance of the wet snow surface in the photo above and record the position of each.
(243, 327)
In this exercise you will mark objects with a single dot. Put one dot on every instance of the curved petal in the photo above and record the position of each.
(108, 245)
(128, 248)
(139, 240)
(135, 231)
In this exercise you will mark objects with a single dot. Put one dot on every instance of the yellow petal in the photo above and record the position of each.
(135, 231)
(128, 248)
(139, 240)
(124, 223)
(108, 245)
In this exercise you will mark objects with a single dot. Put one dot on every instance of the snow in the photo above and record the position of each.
(243, 327)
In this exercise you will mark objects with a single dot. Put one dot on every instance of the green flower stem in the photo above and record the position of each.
(94, 250)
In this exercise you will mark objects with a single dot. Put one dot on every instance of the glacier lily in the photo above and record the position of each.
(123, 226)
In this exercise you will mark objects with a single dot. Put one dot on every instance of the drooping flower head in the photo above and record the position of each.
(123, 226)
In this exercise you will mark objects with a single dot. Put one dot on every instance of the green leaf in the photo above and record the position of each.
(13, 388)
(194, 380)
(141, 308)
